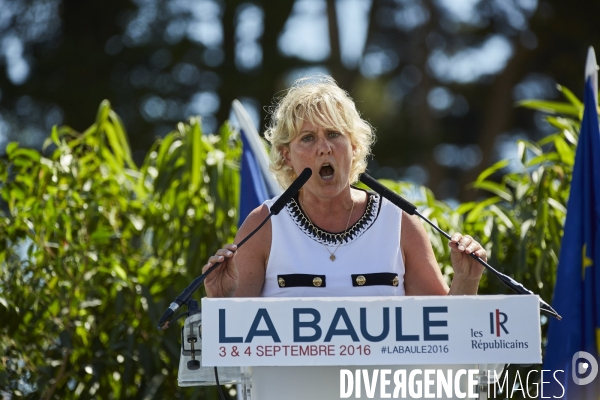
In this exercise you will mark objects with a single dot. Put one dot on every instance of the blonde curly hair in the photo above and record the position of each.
(322, 102)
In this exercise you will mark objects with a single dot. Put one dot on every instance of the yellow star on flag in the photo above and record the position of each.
(585, 261)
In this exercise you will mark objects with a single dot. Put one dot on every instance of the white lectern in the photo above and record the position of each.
(359, 347)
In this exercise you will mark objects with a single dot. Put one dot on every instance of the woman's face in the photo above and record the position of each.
(327, 152)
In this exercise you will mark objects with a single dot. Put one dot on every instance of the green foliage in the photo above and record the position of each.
(93, 248)
(522, 223)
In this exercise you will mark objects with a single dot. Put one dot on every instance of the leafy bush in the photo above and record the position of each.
(93, 248)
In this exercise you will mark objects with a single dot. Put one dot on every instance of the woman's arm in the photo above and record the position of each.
(422, 273)
(242, 272)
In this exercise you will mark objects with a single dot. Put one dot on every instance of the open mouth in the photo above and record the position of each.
(326, 172)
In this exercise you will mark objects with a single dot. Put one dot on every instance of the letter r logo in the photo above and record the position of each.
(497, 321)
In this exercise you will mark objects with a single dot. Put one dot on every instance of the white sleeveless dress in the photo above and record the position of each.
(370, 246)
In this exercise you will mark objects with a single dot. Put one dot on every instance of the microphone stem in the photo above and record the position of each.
(545, 308)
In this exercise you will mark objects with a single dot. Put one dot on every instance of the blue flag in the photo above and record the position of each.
(257, 182)
(577, 292)
(253, 191)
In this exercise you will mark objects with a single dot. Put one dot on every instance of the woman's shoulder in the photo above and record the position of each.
(256, 216)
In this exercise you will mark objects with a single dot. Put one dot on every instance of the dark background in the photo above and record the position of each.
(438, 79)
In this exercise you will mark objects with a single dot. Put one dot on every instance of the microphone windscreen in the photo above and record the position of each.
(291, 191)
(396, 199)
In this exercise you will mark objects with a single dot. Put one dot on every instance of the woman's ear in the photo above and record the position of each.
(285, 154)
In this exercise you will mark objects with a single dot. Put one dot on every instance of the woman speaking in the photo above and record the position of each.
(333, 239)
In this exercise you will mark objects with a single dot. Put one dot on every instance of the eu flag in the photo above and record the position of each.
(577, 292)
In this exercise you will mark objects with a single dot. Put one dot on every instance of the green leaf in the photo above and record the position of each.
(523, 146)
(556, 205)
(502, 215)
(465, 207)
(31, 154)
(115, 143)
(196, 138)
(10, 148)
(103, 111)
(117, 125)
(570, 96)
(525, 226)
(490, 170)
(54, 135)
(542, 158)
(167, 145)
(521, 152)
(570, 136)
(548, 139)
(567, 154)
(551, 107)
(475, 213)
(568, 128)
(495, 188)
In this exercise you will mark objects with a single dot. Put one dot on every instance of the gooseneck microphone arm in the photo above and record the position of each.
(410, 209)
(187, 293)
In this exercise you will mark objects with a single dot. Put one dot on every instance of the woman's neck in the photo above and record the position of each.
(334, 214)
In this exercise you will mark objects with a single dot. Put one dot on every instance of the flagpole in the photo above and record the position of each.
(591, 71)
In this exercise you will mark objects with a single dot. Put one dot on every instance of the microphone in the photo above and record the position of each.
(394, 198)
(411, 209)
(187, 293)
(291, 191)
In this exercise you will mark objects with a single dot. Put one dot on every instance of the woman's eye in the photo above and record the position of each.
(306, 138)
(334, 134)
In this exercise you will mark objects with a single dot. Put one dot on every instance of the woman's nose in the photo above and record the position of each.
(324, 146)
